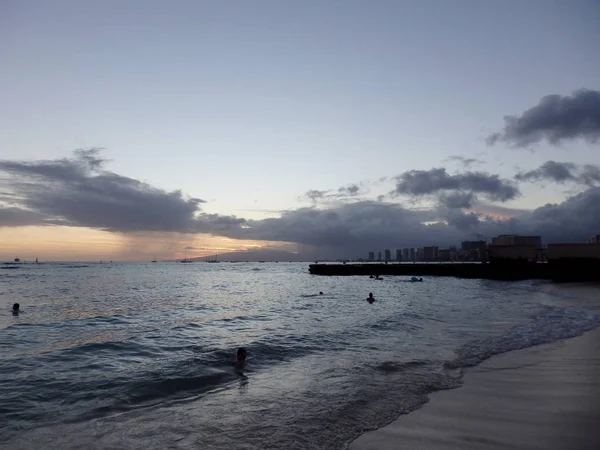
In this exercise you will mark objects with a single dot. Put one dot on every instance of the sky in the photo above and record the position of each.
(132, 130)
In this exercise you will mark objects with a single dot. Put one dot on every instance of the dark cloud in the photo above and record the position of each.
(465, 222)
(561, 172)
(457, 200)
(344, 193)
(351, 190)
(550, 170)
(315, 195)
(575, 219)
(589, 174)
(355, 228)
(438, 181)
(17, 217)
(351, 228)
(464, 161)
(79, 192)
(555, 118)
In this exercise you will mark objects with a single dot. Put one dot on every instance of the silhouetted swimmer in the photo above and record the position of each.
(370, 298)
(320, 292)
(16, 309)
(240, 360)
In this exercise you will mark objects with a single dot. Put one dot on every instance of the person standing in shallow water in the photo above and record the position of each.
(240, 360)
(370, 298)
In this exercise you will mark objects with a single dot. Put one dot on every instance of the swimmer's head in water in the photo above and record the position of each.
(370, 294)
(320, 293)
(241, 354)
(16, 307)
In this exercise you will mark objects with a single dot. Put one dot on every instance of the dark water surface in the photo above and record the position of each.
(139, 355)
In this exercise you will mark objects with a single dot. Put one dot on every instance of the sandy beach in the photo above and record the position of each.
(544, 397)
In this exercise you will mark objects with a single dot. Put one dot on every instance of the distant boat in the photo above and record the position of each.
(186, 260)
(17, 260)
(215, 260)
(36, 260)
(154, 260)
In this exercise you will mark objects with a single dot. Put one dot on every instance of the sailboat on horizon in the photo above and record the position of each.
(186, 260)
(215, 260)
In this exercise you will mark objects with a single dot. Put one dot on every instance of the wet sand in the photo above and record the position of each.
(545, 397)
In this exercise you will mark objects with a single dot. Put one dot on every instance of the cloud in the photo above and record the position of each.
(465, 185)
(457, 200)
(575, 219)
(555, 118)
(561, 172)
(354, 224)
(465, 222)
(465, 162)
(496, 211)
(79, 192)
(351, 190)
(17, 217)
(315, 195)
(355, 228)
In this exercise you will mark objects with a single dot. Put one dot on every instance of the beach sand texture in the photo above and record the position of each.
(543, 398)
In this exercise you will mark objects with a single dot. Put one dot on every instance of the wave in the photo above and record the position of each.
(393, 366)
(553, 325)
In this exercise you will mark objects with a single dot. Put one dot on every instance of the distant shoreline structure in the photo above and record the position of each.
(563, 270)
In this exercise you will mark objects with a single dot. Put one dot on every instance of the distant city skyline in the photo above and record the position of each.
(326, 129)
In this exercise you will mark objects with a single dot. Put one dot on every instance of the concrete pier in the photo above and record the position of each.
(556, 271)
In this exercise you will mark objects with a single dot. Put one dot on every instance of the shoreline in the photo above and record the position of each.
(542, 397)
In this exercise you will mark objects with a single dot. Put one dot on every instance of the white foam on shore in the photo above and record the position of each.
(554, 324)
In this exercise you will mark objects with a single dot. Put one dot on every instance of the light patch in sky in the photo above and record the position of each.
(54, 243)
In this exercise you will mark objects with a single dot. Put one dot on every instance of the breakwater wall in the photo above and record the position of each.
(557, 271)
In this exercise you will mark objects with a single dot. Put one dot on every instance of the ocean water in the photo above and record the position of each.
(135, 356)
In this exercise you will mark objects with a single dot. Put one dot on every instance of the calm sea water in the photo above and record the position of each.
(139, 355)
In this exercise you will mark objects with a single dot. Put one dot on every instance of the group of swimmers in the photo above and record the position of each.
(377, 277)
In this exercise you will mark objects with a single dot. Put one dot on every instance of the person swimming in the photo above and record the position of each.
(370, 298)
(320, 292)
(16, 308)
(240, 360)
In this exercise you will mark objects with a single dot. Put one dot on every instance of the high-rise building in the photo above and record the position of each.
(594, 239)
(515, 239)
(371, 256)
(430, 253)
(420, 254)
(388, 254)
(412, 256)
(406, 254)
(398, 254)
(474, 250)
(378, 256)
